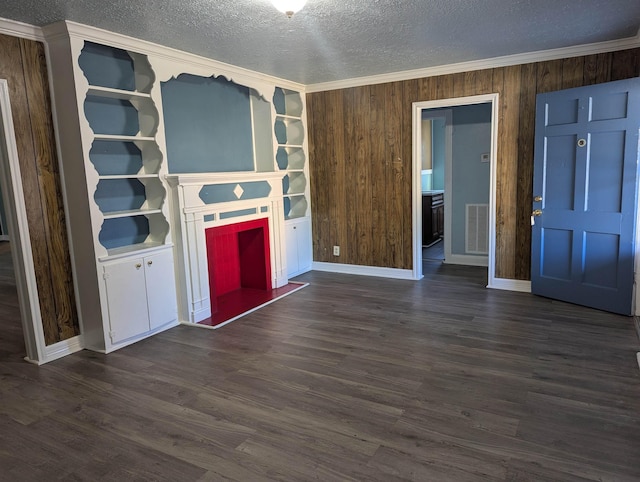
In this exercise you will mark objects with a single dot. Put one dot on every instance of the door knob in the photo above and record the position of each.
(537, 212)
(537, 199)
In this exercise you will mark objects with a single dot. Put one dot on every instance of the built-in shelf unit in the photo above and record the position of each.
(113, 177)
(291, 159)
(122, 139)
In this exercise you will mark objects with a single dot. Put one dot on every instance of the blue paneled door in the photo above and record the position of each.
(585, 195)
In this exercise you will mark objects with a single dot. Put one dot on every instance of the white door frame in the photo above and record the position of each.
(15, 210)
(418, 107)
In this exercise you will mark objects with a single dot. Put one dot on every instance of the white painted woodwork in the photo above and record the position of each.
(140, 295)
(126, 299)
(298, 242)
(103, 305)
(188, 220)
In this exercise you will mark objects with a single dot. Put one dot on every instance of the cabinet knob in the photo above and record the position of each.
(138, 265)
(149, 262)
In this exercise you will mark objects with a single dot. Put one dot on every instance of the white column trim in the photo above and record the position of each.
(11, 182)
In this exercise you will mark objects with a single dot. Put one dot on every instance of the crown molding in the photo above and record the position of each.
(94, 34)
(20, 29)
(491, 63)
(49, 32)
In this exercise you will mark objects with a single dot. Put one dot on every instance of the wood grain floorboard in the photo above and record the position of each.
(351, 379)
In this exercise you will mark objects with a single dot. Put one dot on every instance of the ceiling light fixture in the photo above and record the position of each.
(289, 7)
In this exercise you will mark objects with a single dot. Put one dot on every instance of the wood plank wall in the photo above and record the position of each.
(23, 65)
(360, 157)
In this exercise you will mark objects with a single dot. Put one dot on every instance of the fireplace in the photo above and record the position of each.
(228, 231)
(238, 258)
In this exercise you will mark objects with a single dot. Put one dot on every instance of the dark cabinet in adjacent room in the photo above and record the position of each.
(432, 217)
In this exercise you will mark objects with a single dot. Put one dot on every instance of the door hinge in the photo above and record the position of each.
(112, 335)
(105, 275)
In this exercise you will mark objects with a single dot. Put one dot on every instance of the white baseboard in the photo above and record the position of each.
(467, 260)
(395, 273)
(510, 284)
(60, 349)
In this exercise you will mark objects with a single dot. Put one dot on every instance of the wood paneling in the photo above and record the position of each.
(378, 128)
(22, 63)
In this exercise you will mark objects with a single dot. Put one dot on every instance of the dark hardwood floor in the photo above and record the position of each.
(351, 378)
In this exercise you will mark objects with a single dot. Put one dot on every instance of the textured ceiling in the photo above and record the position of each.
(341, 39)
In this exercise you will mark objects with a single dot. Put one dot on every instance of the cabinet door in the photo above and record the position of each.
(291, 239)
(305, 250)
(299, 252)
(441, 220)
(161, 289)
(126, 299)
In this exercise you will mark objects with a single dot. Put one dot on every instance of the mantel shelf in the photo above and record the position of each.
(222, 177)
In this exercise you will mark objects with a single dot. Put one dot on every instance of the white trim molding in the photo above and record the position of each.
(22, 255)
(394, 273)
(21, 30)
(417, 108)
(510, 284)
(490, 63)
(60, 349)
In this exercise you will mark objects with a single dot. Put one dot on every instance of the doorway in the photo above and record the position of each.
(472, 222)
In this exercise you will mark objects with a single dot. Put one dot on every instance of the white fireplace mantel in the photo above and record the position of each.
(191, 216)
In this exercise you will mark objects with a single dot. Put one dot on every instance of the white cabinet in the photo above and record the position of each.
(299, 252)
(140, 295)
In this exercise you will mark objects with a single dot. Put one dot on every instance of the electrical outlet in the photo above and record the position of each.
(336, 250)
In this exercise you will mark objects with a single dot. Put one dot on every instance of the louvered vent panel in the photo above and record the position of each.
(477, 229)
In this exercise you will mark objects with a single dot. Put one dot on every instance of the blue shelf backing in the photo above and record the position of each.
(107, 66)
(207, 125)
(119, 195)
(120, 232)
(111, 116)
(115, 158)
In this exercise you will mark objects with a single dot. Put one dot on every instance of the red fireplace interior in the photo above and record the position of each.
(239, 259)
